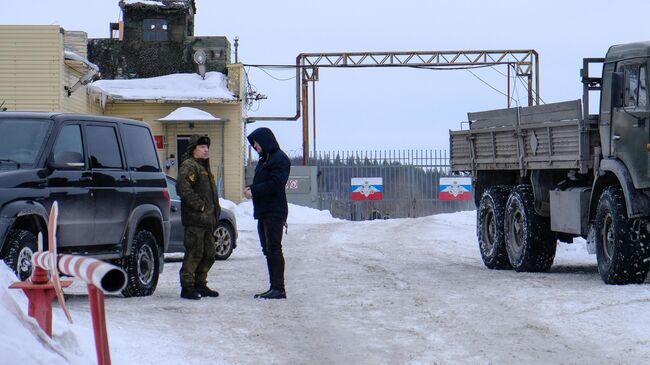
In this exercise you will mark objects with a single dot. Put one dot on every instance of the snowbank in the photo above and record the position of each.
(21, 339)
(297, 215)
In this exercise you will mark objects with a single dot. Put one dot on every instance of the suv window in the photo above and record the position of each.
(171, 186)
(69, 140)
(140, 150)
(103, 148)
(21, 140)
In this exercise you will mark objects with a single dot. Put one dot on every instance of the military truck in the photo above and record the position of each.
(555, 172)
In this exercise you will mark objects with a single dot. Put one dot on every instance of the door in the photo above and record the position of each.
(111, 186)
(181, 148)
(630, 123)
(70, 187)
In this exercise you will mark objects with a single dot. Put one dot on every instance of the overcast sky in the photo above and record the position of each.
(386, 108)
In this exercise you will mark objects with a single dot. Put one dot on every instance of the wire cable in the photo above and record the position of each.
(276, 78)
(486, 83)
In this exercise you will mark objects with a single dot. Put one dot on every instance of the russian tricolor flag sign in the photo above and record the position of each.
(367, 188)
(455, 188)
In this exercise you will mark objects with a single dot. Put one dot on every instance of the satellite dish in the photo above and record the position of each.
(200, 57)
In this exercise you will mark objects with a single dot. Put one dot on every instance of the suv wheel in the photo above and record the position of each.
(224, 241)
(141, 266)
(18, 251)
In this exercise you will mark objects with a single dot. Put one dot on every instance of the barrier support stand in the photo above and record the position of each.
(40, 292)
(98, 313)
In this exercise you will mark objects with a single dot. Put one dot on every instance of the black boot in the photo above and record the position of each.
(207, 292)
(261, 294)
(274, 294)
(188, 292)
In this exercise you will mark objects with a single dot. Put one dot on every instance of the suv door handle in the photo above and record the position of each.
(123, 178)
(616, 137)
(86, 178)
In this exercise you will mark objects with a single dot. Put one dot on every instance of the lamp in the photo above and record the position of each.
(199, 58)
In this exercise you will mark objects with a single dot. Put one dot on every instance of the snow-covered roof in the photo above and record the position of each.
(174, 87)
(157, 3)
(187, 114)
(71, 55)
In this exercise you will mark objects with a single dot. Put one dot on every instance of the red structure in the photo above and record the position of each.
(40, 292)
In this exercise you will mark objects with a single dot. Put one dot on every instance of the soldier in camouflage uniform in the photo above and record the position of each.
(199, 214)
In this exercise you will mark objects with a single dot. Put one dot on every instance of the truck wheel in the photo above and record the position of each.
(224, 241)
(491, 239)
(18, 251)
(530, 243)
(621, 260)
(141, 266)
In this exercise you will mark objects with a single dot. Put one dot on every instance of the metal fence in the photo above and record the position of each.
(410, 183)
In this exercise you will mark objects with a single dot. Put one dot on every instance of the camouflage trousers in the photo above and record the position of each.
(199, 256)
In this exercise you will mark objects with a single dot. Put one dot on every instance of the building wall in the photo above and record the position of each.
(31, 66)
(34, 73)
(231, 129)
(79, 101)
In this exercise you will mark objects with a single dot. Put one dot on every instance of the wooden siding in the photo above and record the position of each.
(31, 64)
(233, 129)
(79, 101)
(77, 42)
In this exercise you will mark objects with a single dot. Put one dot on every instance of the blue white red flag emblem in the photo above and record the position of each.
(455, 188)
(367, 188)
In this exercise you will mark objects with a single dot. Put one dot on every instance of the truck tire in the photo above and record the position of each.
(491, 238)
(18, 251)
(621, 259)
(141, 266)
(224, 241)
(530, 243)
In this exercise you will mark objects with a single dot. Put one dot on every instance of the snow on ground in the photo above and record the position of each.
(379, 292)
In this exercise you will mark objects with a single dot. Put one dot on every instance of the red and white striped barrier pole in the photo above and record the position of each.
(101, 277)
(109, 278)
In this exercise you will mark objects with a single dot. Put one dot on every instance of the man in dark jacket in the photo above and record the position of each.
(200, 211)
(270, 205)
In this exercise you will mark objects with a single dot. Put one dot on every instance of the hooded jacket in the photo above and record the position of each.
(271, 175)
(197, 189)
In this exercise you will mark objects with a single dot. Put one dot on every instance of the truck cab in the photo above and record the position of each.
(624, 109)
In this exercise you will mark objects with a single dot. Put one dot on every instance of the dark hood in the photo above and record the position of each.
(196, 140)
(265, 138)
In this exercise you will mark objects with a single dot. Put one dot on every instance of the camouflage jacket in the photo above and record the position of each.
(198, 191)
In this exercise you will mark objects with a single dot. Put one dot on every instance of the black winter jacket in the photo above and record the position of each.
(271, 175)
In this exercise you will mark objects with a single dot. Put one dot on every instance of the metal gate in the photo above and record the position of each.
(410, 183)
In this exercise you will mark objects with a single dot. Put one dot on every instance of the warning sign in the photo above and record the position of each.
(292, 184)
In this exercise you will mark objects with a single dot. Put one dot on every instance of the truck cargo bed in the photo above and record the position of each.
(551, 136)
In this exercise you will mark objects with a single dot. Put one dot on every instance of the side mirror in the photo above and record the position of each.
(617, 89)
(67, 160)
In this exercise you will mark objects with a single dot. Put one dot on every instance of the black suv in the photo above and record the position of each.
(105, 174)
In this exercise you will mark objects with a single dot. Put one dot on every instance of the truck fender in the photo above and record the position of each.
(139, 213)
(16, 209)
(637, 203)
